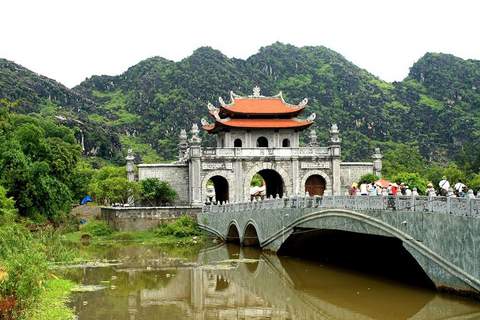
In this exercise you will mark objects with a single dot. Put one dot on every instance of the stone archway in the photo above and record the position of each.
(273, 182)
(221, 184)
(221, 188)
(274, 173)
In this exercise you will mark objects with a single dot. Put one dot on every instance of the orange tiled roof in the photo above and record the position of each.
(259, 124)
(261, 107)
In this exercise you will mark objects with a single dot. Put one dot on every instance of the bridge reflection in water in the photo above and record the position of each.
(228, 282)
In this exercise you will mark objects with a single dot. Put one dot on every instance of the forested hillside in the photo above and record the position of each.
(432, 112)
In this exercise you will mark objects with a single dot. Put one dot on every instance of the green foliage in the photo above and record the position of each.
(110, 185)
(8, 213)
(401, 158)
(153, 189)
(52, 303)
(26, 282)
(257, 181)
(97, 228)
(24, 268)
(37, 158)
(430, 117)
(368, 178)
(53, 240)
(143, 151)
(412, 180)
(184, 227)
(80, 179)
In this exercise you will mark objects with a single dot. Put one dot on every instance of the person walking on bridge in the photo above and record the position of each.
(444, 186)
(460, 189)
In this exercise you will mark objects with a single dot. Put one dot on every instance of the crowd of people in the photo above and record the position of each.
(376, 188)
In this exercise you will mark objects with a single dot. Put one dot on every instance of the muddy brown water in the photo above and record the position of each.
(230, 282)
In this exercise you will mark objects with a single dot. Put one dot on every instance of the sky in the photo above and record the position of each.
(71, 40)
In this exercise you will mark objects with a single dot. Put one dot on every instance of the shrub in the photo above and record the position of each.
(183, 227)
(97, 228)
(24, 268)
(153, 189)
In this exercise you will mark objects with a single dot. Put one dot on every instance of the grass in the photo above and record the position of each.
(51, 303)
(183, 231)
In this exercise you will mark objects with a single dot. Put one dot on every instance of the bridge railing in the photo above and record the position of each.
(468, 206)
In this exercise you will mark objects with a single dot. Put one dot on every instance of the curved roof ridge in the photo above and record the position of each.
(256, 96)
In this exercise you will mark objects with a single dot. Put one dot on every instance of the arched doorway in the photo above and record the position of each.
(221, 188)
(274, 184)
(315, 185)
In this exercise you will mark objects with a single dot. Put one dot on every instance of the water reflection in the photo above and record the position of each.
(228, 282)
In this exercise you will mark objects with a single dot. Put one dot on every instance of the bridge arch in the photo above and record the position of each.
(328, 183)
(271, 174)
(233, 234)
(430, 236)
(250, 236)
(438, 268)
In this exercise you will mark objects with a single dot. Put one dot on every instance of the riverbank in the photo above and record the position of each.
(31, 289)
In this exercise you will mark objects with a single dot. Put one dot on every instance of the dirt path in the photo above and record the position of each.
(86, 211)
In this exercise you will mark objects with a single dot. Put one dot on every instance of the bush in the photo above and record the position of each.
(23, 270)
(153, 190)
(97, 228)
(368, 178)
(184, 227)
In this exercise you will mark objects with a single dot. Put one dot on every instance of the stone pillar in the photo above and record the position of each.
(182, 145)
(295, 177)
(248, 140)
(130, 165)
(335, 151)
(377, 163)
(130, 172)
(239, 195)
(195, 168)
(313, 137)
(276, 140)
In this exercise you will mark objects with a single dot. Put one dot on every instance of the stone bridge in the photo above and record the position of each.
(441, 233)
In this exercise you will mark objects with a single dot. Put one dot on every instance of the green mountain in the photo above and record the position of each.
(433, 108)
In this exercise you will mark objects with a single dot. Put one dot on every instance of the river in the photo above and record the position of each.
(230, 282)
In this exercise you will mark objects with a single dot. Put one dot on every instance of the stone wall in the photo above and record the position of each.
(175, 174)
(351, 172)
(143, 219)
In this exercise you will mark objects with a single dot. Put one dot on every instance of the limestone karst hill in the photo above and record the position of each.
(434, 108)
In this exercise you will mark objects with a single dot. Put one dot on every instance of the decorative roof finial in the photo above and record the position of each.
(256, 91)
(312, 117)
(211, 107)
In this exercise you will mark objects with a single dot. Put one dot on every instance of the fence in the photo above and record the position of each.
(469, 206)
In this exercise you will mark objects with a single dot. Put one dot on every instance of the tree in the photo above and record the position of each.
(404, 157)
(412, 180)
(116, 190)
(80, 179)
(154, 190)
(110, 184)
(368, 178)
(35, 167)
